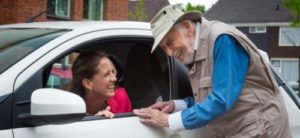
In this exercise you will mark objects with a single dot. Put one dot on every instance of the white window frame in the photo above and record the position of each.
(68, 10)
(286, 44)
(279, 69)
(56, 10)
(257, 29)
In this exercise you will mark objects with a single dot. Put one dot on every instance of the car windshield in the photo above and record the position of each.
(15, 44)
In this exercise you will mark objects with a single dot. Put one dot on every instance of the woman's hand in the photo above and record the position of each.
(106, 112)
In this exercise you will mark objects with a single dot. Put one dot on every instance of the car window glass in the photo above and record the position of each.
(61, 73)
(17, 43)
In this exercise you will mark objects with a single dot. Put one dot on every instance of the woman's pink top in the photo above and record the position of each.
(120, 102)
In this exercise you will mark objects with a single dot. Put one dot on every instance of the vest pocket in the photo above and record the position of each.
(242, 126)
(205, 82)
(251, 125)
(204, 88)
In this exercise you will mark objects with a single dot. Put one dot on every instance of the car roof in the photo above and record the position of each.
(74, 25)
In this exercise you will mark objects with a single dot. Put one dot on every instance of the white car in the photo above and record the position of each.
(35, 60)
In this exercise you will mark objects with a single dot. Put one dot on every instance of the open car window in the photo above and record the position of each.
(146, 75)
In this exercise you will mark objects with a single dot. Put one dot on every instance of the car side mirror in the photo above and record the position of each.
(54, 106)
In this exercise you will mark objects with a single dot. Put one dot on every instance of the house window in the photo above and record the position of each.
(289, 36)
(93, 9)
(59, 8)
(288, 68)
(258, 29)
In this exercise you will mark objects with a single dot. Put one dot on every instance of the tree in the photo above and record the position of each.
(138, 12)
(294, 8)
(190, 7)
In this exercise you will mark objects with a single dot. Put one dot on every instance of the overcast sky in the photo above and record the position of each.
(206, 3)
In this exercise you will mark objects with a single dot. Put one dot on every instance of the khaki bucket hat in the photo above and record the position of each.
(166, 18)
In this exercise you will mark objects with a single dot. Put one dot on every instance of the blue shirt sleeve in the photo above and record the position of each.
(228, 76)
(189, 101)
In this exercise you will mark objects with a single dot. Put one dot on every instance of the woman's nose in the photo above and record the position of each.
(113, 78)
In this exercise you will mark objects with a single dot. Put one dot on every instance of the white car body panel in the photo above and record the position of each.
(108, 128)
(83, 26)
(8, 79)
(293, 112)
(6, 134)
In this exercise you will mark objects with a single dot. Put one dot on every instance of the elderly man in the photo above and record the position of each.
(235, 94)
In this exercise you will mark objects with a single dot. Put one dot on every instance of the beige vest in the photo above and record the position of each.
(259, 110)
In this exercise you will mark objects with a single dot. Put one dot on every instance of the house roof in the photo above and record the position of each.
(249, 11)
(151, 7)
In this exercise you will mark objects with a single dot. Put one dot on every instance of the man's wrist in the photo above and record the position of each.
(179, 105)
(175, 122)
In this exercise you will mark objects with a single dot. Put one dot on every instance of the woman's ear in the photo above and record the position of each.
(87, 84)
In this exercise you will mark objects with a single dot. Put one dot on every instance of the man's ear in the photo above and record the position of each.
(87, 84)
(190, 26)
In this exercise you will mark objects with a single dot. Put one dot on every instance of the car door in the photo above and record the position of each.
(144, 74)
(5, 112)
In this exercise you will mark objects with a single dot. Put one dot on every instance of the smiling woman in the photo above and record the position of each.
(94, 79)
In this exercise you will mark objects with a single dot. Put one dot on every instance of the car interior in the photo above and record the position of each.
(144, 75)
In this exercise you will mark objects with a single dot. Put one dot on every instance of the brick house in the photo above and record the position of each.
(267, 24)
(15, 11)
(151, 7)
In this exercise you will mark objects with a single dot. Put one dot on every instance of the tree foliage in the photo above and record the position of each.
(294, 8)
(138, 12)
(190, 7)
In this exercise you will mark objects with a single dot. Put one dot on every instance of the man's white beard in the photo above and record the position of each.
(189, 58)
